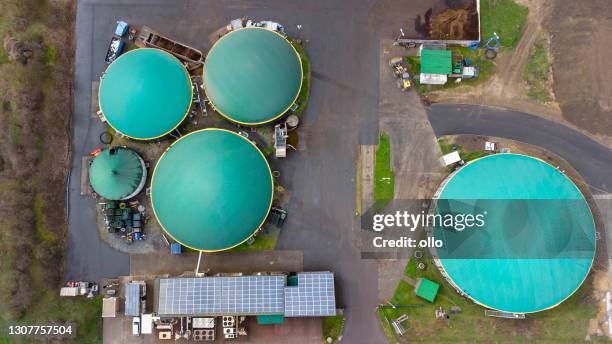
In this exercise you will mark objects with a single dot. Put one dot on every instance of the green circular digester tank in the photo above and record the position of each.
(252, 76)
(117, 173)
(145, 94)
(538, 240)
(212, 190)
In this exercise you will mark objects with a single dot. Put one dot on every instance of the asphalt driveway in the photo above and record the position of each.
(591, 159)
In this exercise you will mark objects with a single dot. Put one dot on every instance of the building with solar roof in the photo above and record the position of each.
(312, 295)
(252, 76)
(145, 94)
(211, 190)
(117, 173)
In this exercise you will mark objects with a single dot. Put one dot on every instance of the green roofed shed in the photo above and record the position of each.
(145, 94)
(427, 289)
(271, 319)
(117, 173)
(436, 61)
(252, 76)
(211, 190)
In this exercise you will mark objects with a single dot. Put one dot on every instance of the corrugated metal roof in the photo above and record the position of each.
(132, 300)
(436, 61)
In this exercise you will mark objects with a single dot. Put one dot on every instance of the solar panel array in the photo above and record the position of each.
(242, 295)
(132, 300)
(313, 296)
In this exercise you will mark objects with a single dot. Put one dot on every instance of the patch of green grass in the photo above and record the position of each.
(268, 150)
(42, 233)
(384, 179)
(15, 128)
(83, 313)
(466, 155)
(566, 323)
(49, 59)
(535, 72)
(332, 328)
(506, 18)
(384, 323)
(411, 268)
(263, 242)
(302, 98)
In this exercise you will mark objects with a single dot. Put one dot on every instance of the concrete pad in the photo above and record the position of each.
(293, 330)
(247, 262)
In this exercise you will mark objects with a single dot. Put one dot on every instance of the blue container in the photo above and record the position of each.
(176, 248)
(121, 29)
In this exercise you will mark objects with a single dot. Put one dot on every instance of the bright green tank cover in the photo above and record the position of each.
(145, 94)
(117, 173)
(211, 190)
(252, 76)
(539, 229)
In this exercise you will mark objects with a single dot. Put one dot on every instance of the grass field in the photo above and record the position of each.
(466, 155)
(535, 72)
(263, 242)
(566, 323)
(506, 18)
(384, 182)
(332, 328)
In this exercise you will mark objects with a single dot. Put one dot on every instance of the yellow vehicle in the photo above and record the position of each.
(400, 70)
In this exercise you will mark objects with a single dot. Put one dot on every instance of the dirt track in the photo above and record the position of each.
(578, 33)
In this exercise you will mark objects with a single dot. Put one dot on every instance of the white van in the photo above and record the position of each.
(136, 326)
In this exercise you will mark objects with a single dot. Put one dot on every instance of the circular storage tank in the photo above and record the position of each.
(211, 190)
(252, 76)
(117, 173)
(538, 240)
(145, 94)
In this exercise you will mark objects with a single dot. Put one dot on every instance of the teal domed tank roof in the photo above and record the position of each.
(252, 76)
(145, 94)
(117, 173)
(211, 190)
(537, 242)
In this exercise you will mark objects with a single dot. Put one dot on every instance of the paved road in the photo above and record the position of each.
(592, 160)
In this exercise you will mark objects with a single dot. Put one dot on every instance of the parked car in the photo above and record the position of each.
(136, 326)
